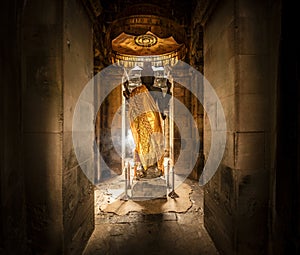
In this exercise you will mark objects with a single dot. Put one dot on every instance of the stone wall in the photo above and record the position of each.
(77, 190)
(195, 59)
(236, 63)
(182, 93)
(42, 123)
(57, 62)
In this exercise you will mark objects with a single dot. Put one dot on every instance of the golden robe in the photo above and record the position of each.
(146, 128)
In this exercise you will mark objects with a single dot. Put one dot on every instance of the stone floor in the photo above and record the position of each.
(162, 233)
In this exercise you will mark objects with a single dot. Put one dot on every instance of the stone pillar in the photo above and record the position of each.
(182, 92)
(236, 64)
(77, 66)
(183, 95)
(57, 62)
(43, 123)
(196, 60)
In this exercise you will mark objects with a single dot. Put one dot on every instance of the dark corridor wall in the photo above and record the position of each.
(47, 204)
(12, 188)
(286, 211)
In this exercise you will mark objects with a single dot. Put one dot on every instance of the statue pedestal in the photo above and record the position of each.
(146, 189)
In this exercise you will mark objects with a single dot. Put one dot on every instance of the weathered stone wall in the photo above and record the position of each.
(220, 195)
(12, 188)
(78, 191)
(236, 62)
(57, 62)
(43, 123)
(186, 139)
(195, 57)
(182, 94)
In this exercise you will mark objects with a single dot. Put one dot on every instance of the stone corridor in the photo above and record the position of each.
(174, 233)
(247, 53)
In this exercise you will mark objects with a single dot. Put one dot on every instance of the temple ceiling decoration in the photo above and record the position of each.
(144, 45)
(146, 40)
(141, 34)
(164, 19)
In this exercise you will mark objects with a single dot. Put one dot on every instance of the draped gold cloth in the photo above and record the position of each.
(146, 128)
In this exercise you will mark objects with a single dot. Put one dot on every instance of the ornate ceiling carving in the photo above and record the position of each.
(146, 40)
(132, 50)
(141, 24)
(144, 45)
(170, 18)
(146, 30)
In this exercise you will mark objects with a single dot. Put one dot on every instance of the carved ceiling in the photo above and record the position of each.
(169, 22)
(144, 45)
(131, 50)
(146, 30)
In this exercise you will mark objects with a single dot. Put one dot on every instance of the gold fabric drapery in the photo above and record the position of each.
(146, 127)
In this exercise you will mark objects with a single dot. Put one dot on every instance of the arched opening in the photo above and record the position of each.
(132, 44)
(141, 35)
